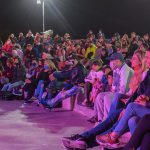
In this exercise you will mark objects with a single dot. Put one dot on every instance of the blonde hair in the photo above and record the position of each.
(141, 55)
(1, 73)
(51, 64)
(137, 76)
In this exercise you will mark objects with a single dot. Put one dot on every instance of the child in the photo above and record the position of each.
(93, 79)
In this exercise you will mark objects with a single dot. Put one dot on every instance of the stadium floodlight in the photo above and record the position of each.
(39, 2)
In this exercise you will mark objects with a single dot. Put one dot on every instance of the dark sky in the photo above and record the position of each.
(75, 16)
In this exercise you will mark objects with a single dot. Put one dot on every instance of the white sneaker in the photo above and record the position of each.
(74, 144)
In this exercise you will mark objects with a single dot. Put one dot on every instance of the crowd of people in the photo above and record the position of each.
(113, 74)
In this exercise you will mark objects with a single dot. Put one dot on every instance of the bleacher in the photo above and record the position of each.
(75, 104)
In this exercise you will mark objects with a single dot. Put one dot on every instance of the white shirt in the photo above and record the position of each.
(125, 73)
(94, 74)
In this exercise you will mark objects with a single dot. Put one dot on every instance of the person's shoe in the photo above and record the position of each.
(93, 119)
(22, 106)
(108, 142)
(84, 103)
(33, 98)
(27, 102)
(44, 104)
(107, 138)
(74, 142)
(88, 104)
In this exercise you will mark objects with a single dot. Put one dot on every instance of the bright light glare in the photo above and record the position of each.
(39, 2)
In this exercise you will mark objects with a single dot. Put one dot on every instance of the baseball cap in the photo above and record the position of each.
(116, 56)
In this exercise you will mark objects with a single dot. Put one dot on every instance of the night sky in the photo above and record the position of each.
(75, 16)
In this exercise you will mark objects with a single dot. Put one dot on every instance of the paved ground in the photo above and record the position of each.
(33, 128)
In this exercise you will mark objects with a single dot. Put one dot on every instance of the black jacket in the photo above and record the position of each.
(19, 74)
(143, 89)
(78, 74)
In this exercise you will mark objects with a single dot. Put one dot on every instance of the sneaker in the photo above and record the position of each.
(33, 98)
(93, 119)
(35, 101)
(27, 102)
(22, 106)
(45, 105)
(110, 146)
(107, 138)
(74, 142)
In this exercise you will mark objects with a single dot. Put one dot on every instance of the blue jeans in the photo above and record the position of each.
(116, 102)
(133, 109)
(63, 95)
(39, 90)
(9, 86)
(102, 128)
(141, 135)
(132, 123)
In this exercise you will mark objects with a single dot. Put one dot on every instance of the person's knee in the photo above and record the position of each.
(6, 86)
(107, 100)
(133, 120)
(42, 85)
(97, 99)
(132, 123)
(10, 87)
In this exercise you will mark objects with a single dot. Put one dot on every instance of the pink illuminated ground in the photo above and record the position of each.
(33, 128)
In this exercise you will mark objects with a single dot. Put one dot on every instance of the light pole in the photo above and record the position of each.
(39, 2)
